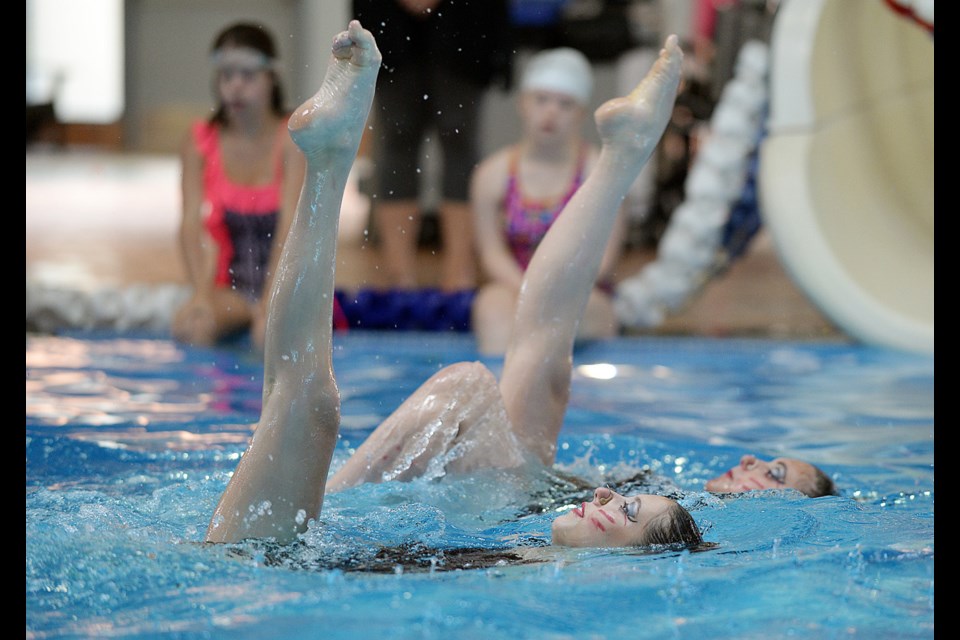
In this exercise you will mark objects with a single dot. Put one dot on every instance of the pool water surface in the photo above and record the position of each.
(130, 441)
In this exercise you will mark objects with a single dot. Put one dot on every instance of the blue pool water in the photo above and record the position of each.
(131, 440)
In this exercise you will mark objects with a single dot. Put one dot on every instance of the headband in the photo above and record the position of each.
(244, 57)
(564, 70)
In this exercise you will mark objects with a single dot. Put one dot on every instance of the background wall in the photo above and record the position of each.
(168, 77)
(167, 44)
(164, 77)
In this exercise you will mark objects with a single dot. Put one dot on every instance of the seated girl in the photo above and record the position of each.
(518, 191)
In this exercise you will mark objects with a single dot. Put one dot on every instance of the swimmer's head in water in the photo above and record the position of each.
(247, 48)
(613, 520)
(753, 474)
(564, 70)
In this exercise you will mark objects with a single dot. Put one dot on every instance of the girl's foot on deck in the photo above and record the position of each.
(633, 124)
(334, 117)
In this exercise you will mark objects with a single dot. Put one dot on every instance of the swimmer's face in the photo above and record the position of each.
(610, 520)
(753, 475)
(551, 114)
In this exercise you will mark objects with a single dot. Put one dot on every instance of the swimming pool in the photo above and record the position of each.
(130, 441)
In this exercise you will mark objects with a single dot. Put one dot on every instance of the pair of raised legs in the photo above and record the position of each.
(279, 484)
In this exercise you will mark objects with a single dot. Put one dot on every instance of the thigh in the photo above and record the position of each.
(491, 317)
(454, 422)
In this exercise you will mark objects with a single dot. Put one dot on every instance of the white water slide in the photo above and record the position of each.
(846, 178)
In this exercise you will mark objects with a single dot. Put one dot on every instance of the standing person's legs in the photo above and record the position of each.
(457, 115)
(459, 263)
(398, 232)
(399, 125)
(278, 486)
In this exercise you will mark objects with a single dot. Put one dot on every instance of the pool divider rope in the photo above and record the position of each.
(719, 214)
(150, 308)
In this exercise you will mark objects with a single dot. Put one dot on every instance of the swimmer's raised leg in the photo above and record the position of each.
(535, 382)
(278, 485)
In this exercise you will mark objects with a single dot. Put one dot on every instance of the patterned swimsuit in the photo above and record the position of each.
(526, 220)
(241, 218)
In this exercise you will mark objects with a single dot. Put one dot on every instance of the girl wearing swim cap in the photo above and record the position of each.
(518, 191)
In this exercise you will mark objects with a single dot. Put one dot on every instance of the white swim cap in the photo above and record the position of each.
(562, 70)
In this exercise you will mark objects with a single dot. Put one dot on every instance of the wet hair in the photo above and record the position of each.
(675, 526)
(822, 485)
(256, 37)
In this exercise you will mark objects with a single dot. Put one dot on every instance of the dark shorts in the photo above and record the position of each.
(412, 104)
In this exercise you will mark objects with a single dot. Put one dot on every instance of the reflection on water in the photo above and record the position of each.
(130, 442)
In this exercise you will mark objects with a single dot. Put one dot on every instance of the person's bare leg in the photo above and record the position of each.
(600, 318)
(495, 302)
(227, 312)
(278, 485)
(491, 314)
(535, 382)
(459, 261)
(398, 233)
(454, 422)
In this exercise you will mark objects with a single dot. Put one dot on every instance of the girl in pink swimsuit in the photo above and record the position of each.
(241, 218)
(242, 176)
(517, 192)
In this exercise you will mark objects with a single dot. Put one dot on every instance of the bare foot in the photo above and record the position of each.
(634, 123)
(334, 117)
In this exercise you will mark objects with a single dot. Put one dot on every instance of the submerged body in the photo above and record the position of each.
(463, 418)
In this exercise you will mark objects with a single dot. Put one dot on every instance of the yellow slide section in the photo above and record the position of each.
(846, 170)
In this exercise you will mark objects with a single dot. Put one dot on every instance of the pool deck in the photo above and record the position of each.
(123, 232)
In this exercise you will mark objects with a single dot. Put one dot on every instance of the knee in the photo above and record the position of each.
(458, 376)
(190, 329)
(494, 302)
(323, 396)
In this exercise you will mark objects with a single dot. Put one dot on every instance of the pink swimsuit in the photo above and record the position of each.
(526, 220)
(241, 218)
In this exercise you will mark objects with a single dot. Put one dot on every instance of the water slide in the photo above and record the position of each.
(846, 176)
